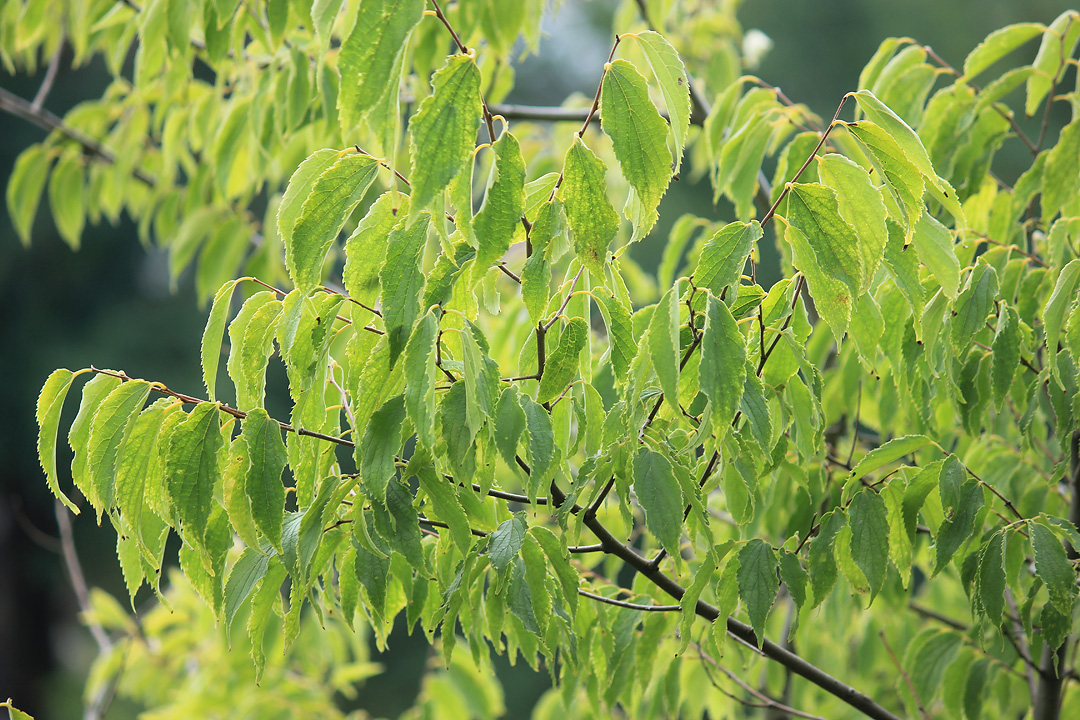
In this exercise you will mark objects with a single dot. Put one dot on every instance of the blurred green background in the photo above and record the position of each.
(110, 305)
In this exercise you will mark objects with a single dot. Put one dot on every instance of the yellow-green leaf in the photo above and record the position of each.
(592, 219)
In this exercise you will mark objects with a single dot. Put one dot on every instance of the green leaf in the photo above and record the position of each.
(212, 335)
(420, 370)
(959, 527)
(926, 659)
(381, 442)
(821, 558)
(323, 15)
(794, 576)
(1006, 353)
(1058, 43)
(440, 493)
(1061, 176)
(973, 306)
(881, 456)
(638, 137)
(724, 256)
(722, 373)
(758, 583)
(262, 481)
(401, 279)
(93, 393)
(299, 188)
(934, 245)
(861, 206)
(620, 332)
(509, 424)
(505, 543)
(542, 447)
(870, 538)
(663, 344)
(660, 496)
(499, 217)
(369, 55)
(481, 376)
(442, 133)
(547, 229)
(251, 335)
(826, 251)
(990, 580)
(670, 74)
(902, 178)
(245, 574)
(24, 189)
(67, 198)
(591, 217)
(559, 559)
(1053, 567)
(1054, 314)
(335, 193)
(192, 451)
(50, 404)
(997, 45)
(108, 431)
(755, 409)
(139, 479)
(562, 362)
(365, 250)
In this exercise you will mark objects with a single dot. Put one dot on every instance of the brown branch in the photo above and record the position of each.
(628, 605)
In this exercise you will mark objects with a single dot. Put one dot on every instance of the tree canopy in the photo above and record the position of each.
(852, 493)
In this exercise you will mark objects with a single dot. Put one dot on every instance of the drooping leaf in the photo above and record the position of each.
(660, 496)
(251, 335)
(49, 406)
(447, 507)
(366, 248)
(620, 333)
(542, 447)
(1053, 567)
(934, 245)
(562, 362)
(758, 583)
(442, 133)
(973, 306)
(990, 580)
(245, 574)
(638, 137)
(108, 430)
(93, 393)
(335, 193)
(401, 279)
(509, 424)
(997, 45)
(24, 189)
(420, 373)
(959, 527)
(724, 255)
(370, 53)
(663, 345)
(481, 377)
(590, 215)
(861, 206)
(1054, 314)
(212, 336)
(299, 188)
(192, 459)
(262, 480)
(381, 442)
(504, 203)
(722, 373)
(67, 197)
(547, 229)
(670, 74)
(1058, 44)
(1006, 353)
(903, 179)
(869, 538)
(505, 543)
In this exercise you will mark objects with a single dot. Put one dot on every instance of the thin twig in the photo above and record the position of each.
(628, 605)
(903, 674)
(50, 78)
(766, 701)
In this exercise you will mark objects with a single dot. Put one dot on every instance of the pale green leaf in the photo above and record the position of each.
(903, 179)
(67, 197)
(1061, 176)
(590, 215)
(420, 370)
(758, 583)
(821, 558)
(440, 493)
(50, 404)
(542, 447)
(960, 525)
(620, 333)
(660, 496)
(481, 376)
(724, 256)
(442, 133)
(990, 580)
(1054, 313)
(93, 393)
(638, 136)
(24, 189)
(997, 45)
(663, 344)
(722, 373)
(108, 430)
(299, 188)
(251, 336)
(509, 424)
(562, 360)
(192, 451)
(881, 456)
(861, 205)
(505, 543)
(245, 574)
(211, 340)
(365, 250)
(401, 279)
(670, 74)
(934, 245)
(1058, 44)
(870, 538)
(335, 193)
(559, 559)
(380, 444)
(266, 461)
(547, 230)
(368, 56)
(499, 218)
(1006, 353)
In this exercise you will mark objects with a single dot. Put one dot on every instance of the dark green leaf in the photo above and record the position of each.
(401, 278)
(590, 215)
(562, 362)
(758, 583)
(870, 538)
(660, 496)
(722, 373)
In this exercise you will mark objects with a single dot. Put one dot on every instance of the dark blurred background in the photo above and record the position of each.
(110, 305)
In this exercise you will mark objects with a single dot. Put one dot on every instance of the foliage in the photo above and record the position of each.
(502, 427)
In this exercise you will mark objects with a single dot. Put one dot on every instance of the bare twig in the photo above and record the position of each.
(903, 674)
